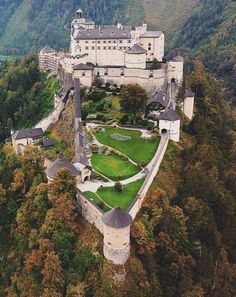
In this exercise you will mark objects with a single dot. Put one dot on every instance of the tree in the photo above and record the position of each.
(52, 273)
(155, 64)
(133, 99)
(63, 183)
(118, 187)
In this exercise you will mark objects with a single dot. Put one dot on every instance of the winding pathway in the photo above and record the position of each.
(93, 186)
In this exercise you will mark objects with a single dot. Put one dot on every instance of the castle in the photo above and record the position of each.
(117, 55)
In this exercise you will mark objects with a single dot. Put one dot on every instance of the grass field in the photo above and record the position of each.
(9, 58)
(113, 198)
(137, 148)
(113, 166)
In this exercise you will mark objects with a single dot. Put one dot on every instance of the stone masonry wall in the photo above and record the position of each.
(90, 211)
(52, 118)
(136, 205)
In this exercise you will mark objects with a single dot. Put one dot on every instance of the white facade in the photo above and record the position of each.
(107, 45)
(173, 127)
(116, 242)
(176, 69)
(188, 106)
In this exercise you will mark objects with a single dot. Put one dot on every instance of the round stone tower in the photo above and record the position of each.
(116, 233)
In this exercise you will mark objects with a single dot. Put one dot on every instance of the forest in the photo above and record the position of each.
(26, 96)
(210, 34)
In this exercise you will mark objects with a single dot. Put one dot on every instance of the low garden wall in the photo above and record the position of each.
(137, 203)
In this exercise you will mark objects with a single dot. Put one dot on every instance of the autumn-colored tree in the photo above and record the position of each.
(2, 194)
(62, 217)
(52, 272)
(50, 292)
(133, 99)
(225, 277)
(33, 164)
(63, 183)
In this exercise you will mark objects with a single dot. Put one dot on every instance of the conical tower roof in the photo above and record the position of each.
(117, 218)
(61, 163)
(47, 49)
(136, 49)
(169, 115)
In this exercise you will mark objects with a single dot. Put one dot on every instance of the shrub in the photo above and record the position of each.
(124, 119)
(118, 187)
(150, 125)
(101, 204)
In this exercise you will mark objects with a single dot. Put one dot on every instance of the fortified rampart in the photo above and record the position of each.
(92, 213)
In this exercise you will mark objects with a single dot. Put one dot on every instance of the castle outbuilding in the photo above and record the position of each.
(26, 137)
(188, 104)
(61, 162)
(48, 59)
(169, 121)
(116, 232)
(135, 57)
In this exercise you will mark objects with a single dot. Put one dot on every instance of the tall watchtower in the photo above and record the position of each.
(116, 232)
(79, 14)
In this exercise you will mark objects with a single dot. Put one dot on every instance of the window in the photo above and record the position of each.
(114, 41)
(120, 41)
(86, 41)
(149, 48)
(104, 47)
(98, 41)
(149, 44)
(104, 41)
(129, 41)
(83, 74)
(99, 47)
(114, 47)
(86, 47)
(109, 41)
(93, 48)
(109, 47)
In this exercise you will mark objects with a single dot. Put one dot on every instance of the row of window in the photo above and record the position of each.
(107, 48)
(108, 41)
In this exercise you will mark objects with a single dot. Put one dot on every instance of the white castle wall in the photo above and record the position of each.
(149, 79)
(90, 211)
(52, 118)
(188, 107)
(137, 204)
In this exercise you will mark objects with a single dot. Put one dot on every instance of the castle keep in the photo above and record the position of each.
(116, 54)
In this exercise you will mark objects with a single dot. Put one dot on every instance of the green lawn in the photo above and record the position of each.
(137, 148)
(113, 166)
(112, 198)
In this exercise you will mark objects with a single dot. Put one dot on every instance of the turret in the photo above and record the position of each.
(60, 162)
(135, 57)
(176, 70)
(116, 234)
(169, 122)
(188, 104)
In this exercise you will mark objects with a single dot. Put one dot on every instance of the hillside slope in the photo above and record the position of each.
(210, 33)
(29, 24)
(164, 15)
